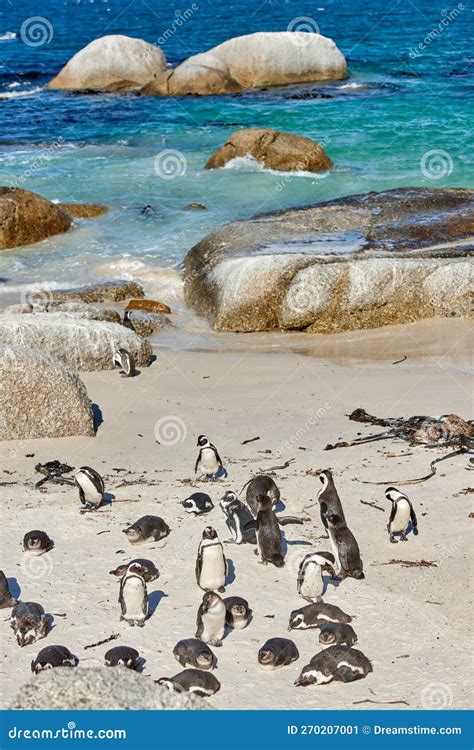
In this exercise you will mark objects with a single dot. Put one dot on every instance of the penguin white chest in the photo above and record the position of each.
(212, 575)
(208, 462)
(213, 622)
(89, 489)
(402, 516)
(312, 584)
(134, 597)
(335, 551)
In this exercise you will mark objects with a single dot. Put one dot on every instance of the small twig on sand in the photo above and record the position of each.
(397, 361)
(112, 637)
(250, 440)
(383, 703)
(372, 505)
(59, 614)
(412, 563)
(277, 468)
(123, 500)
(107, 531)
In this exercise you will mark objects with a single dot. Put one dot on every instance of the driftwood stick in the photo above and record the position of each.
(112, 637)
(360, 441)
(276, 468)
(372, 505)
(396, 482)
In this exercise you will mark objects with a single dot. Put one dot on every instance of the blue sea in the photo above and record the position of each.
(399, 119)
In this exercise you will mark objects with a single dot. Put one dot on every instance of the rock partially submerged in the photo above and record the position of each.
(40, 397)
(78, 309)
(26, 218)
(147, 323)
(148, 305)
(110, 291)
(76, 342)
(274, 149)
(100, 688)
(357, 262)
(111, 63)
(254, 61)
(84, 210)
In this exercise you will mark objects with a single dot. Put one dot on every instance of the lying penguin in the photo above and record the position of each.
(192, 681)
(339, 663)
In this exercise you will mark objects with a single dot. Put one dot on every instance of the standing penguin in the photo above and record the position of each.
(268, 531)
(6, 598)
(133, 596)
(237, 515)
(91, 487)
(345, 548)
(262, 484)
(123, 359)
(310, 581)
(28, 622)
(211, 565)
(211, 619)
(328, 498)
(208, 461)
(401, 515)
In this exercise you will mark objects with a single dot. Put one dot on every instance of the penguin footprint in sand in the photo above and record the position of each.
(208, 462)
(401, 515)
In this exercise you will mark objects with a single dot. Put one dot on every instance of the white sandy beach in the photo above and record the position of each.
(413, 623)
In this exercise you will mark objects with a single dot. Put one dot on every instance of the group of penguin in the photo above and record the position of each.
(253, 522)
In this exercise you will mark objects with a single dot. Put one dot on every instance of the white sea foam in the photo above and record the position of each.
(164, 283)
(15, 94)
(248, 164)
(353, 85)
(8, 36)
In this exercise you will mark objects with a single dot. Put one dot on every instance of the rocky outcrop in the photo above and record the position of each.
(26, 218)
(100, 688)
(84, 210)
(71, 309)
(111, 63)
(109, 291)
(77, 343)
(40, 397)
(148, 305)
(357, 262)
(147, 323)
(253, 61)
(273, 149)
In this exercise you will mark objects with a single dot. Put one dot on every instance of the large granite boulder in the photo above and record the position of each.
(357, 262)
(274, 149)
(254, 61)
(84, 210)
(100, 688)
(76, 342)
(40, 397)
(70, 309)
(111, 63)
(26, 218)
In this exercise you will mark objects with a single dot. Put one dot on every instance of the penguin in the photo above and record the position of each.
(198, 503)
(192, 681)
(262, 484)
(401, 514)
(146, 530)
(123, 656)
(133, 596)
(37, 542)
(91, 487)
(277, 652)
(211, 565)
(237, 515)
(6, 598)
(310, 581)
(208, 461)
(191, 652)
(124, 360)
(328, 498)
(316, 615)
(53, 656)
(28, 622)
(340, 663)
(337, 634)
(127, 323)
(211, 619)
(268, 531)
(150, 571)
(238, 612)
(345, 548)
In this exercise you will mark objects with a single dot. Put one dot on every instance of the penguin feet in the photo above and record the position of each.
(215, 642)
(392, 539)
(221, 590)
(403, 537)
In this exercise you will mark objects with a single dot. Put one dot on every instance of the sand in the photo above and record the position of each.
(413, 623)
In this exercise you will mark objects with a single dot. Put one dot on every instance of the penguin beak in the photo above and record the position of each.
(297, 683)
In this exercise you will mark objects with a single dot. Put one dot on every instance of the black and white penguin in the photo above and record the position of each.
(133, 596)
(194, 681)
(53, 656)
(401, 514)
(345, 549)
(6, 598)
(208, 462)
(260, 485)
(211, 565)
(238, 612)
(123, 656)
(316, 615)
(125, 361)
(237, 515)
(328, 498)
(146, 530)
(197, 503)
(277, 652)
(37, 542)
(91, 487)
(28, 622)
(339, 663)
(310, 581)
(150, 571)
(268, 531)
(211, 619)
(191, 652)
(127, 322)
(335, 633)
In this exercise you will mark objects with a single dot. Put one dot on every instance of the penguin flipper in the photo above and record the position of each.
(197, 462)
(392, 515)
(198, 565)
(413, 518)
(253, 524)
(284, 520)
